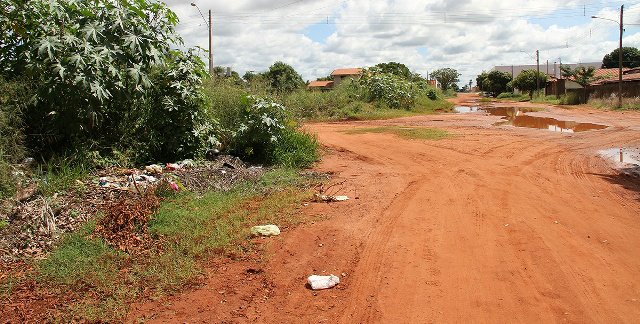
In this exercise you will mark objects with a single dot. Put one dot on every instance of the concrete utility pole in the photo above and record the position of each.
(210, 25)
(620, 63)
(210, 44)
(619, 53)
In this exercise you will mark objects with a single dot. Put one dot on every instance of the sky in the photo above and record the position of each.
(316, 37)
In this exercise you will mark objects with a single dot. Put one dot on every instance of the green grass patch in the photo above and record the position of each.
(187, 231)
(405, 132)
(376, 111)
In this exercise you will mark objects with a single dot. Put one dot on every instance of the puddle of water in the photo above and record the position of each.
(624, 155)
(517, 117)
(465, 109)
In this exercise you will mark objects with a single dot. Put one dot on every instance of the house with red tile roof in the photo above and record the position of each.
(320, 85)
(342, 74)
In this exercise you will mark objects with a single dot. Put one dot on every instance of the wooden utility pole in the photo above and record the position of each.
(538, 66)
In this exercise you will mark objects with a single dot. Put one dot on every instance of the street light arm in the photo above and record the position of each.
(193, 4)
(615, 21)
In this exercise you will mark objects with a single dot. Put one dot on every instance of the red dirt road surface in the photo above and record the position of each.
(492, 225)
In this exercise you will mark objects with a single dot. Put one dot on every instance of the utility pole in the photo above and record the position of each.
(538, 67)
(210, 25)
(620, 62)
(619, 53)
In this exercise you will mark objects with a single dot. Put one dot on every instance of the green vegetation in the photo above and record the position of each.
(187, 230)
(630, 58)
(513, 96)
(89, 63)
(447, 77)
(405, 132)
(528, 80)
(495, 82)
(612, 103)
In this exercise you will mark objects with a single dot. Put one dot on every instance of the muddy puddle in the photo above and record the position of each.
(622, 155)
(517, 117)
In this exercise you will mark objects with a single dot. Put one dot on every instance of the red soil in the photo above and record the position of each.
(494, 225)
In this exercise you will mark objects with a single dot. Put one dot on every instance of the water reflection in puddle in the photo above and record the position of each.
(624, 155)
(465, 109)
(517, 117)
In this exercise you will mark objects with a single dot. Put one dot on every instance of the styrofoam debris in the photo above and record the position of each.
(265, 230)
(323, 282)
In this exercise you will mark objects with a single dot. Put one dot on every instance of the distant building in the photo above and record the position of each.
(341, 74)
(320, 85)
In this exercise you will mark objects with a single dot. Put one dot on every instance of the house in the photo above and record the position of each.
(320, 85)
(561, 86)
(338, 75)
(342, 74)
(608, 87)
(552, 70)
(433, 83)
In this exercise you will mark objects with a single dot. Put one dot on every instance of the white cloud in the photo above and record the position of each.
(468, 35)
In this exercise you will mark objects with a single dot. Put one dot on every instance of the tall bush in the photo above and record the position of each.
(393, 91)
(13, 95)
(93, 61)
(174, 122)
(263, 132)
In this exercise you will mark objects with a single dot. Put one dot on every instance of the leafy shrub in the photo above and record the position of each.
(262, 132)
(571, 98)
(13, 97)
(95, 63)
(295, 149)
(393, 91)
(432, 94)
(174, 123)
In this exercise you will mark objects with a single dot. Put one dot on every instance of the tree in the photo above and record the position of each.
(398, 69)
(283, 77)
(495, 82)
(446, 77)
(630, 58)
(527, 80)
(583, 75)
(481, 80)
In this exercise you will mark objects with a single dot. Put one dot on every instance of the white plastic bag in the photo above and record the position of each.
(323, 282)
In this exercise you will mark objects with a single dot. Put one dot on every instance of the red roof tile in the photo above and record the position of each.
(350, 71)
(625, 78)
(320, 84)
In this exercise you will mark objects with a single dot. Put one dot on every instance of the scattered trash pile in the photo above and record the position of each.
(325, 194)
(30, 223)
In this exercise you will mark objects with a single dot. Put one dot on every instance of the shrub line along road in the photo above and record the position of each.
(493, 225)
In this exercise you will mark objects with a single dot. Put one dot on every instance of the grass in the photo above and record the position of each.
(405, 132)
(373, 111)
(60, 174)
(187, 230)
(611, 103)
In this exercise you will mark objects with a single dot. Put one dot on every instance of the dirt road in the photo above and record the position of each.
(493, 225)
